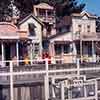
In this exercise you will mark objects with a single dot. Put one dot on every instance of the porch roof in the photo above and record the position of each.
(9, 31)
(93, 36)
(44, 6)
(67, 36)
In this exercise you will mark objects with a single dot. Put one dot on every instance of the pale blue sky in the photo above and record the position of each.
(92, 6)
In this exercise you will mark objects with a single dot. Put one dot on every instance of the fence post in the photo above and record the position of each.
(62, 91)
(46, 81)
(53, 92)
(78, 67)
(11, 81)
(96, 90)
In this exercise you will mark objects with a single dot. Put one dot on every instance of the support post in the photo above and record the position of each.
(81, 49)
(41, 49)
(46, 81)
(31, 53)
(96, 90)
(11, 81)
(93, 52)
(46, 15)
(85, 92)
(78, 67)
(17, 52)
(62, 91)
(2, 48)
(53, 93)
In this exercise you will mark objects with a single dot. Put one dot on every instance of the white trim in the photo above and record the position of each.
(9, 37)
(2, 49)
(17, 52)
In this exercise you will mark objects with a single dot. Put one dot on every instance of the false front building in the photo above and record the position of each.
(76, 39)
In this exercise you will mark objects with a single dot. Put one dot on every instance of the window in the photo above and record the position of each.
(49, 28)
(58, 48)
(78, 48)
(66, 48)
(42, 12)
(79, 28)
(36, 48)
(64, 28)
(31, 27)
(50, 12)
(88, 28)
(90, 49)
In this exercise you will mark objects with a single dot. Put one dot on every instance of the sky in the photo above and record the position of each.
(92, 6)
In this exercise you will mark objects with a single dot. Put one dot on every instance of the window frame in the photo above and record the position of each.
(31, 28)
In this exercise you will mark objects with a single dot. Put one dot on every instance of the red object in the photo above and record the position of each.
(46, 55)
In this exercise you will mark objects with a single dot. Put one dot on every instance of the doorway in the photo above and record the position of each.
(7, 53)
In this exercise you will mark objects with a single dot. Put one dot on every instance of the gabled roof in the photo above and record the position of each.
(29, 16)
(84, 13)
(44, 6)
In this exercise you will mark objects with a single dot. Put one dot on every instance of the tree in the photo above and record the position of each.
(4, 9)
(65, 7)
(62, 7)
(25, 7)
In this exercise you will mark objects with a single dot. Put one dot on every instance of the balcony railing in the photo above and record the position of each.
(86, 36)
(49, 18)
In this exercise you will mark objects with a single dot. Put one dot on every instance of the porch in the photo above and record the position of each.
(63, 50)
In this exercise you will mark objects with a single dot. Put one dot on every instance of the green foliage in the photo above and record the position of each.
(62, 7)
(4, 9)
(67, 7)
(25, 7)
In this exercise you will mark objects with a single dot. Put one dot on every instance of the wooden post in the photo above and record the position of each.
(31, 53)
(81, 49)
(46, 81)
(11, 82)
(2, 48)
(62, 91)
(17, 52)
(93, 52)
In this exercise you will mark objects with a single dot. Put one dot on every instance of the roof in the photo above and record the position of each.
(61, 37)
(44, 6)
(84, 13)
(31, 15)
(8, 31)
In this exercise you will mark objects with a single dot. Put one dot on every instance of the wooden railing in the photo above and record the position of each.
(91, 35)
(23, 72)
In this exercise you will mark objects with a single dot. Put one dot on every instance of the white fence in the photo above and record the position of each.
(11, 73)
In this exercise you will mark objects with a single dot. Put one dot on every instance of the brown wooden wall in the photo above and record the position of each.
(27, 92)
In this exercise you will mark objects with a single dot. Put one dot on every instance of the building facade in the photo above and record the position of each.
(74, 37)
(82, 36)
(10, 40)
(34, 29)
(46, 14)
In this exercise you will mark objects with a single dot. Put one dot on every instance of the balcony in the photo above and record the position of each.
(48, 18)
(86, 36)
(98, 35)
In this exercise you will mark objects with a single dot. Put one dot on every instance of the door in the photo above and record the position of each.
(7, 53)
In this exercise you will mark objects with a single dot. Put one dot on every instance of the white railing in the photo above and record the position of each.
(46, 71)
